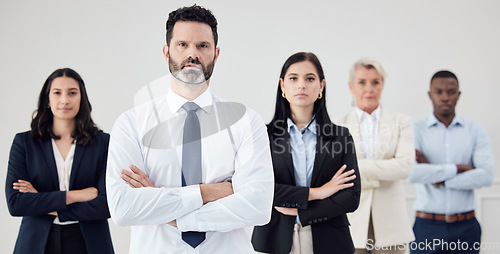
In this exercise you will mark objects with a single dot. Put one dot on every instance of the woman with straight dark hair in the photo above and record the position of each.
(313, 190)
(56, 173)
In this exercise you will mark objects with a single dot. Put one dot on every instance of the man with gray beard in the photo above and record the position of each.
(201, 167)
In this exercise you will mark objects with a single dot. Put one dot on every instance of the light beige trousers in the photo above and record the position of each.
(302, 240)
(396, 249)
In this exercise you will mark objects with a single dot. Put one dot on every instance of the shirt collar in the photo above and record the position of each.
(432, 120)
(363, 114)
(175, 101)
(311, 127)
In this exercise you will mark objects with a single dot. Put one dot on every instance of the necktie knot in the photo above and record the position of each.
(190, 106)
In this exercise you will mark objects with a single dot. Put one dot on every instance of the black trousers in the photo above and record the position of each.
(65, 239)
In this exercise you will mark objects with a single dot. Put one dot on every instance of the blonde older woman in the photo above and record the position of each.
(385, 151)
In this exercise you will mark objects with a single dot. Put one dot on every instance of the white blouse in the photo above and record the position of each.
(369, 125)
(63, 172)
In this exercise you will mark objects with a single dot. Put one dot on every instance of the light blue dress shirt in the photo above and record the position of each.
(303, 144)
(463, 142)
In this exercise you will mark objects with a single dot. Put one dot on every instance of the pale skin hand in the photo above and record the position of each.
(73, 196)
(287, 211)
(209, 191)
(24, 187)
(214, 191)
(136, 178)
(337, 183)
(83, 195)
(420, 157)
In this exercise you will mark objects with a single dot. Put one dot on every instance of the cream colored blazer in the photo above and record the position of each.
(382, 191)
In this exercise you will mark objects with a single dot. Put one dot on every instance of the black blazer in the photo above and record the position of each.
(34, 161)
(327, 217)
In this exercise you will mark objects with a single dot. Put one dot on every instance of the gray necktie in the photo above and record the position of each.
(191, 162)
(191, 146)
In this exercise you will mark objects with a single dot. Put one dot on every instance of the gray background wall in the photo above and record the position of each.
(117, 48)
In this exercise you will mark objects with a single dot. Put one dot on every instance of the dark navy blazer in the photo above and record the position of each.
(34, 161)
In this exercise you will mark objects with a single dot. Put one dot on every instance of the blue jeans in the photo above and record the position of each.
(434, 236)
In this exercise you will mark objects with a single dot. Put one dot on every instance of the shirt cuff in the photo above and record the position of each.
(188, 222)
(191, 197)
(449, 170)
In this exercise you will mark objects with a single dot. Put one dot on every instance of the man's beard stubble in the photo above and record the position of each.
(190, 76)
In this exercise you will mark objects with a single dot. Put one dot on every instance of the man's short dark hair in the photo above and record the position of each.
(444, 74)
(193, 13)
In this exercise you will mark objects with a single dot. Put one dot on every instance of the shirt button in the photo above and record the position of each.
(315, 220)
(287, 204)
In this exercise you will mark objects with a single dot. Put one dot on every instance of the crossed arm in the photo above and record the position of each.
(397, 165)
(424, 165)
(73, 196)
(420, 158)
(209, 191)
(341, 180)
(479, 171)
(338, 196)
(246, 201)
(24, 199)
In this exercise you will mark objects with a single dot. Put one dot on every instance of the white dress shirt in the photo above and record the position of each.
(235, 146)
(63, 172)
(368, 125)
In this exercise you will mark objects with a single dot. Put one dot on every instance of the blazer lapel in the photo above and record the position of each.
(385, 132)
(51, 161)
(322, 150)
(77, 158)
(286, 155)
(353, 125)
